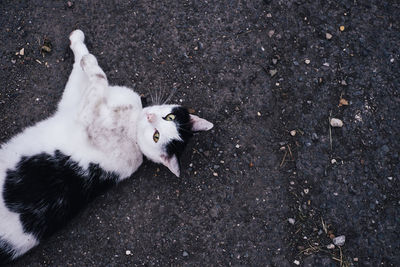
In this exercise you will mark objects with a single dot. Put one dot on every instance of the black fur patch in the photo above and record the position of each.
(182, 120)
(5, 253)
(143, 99)
(48, 190)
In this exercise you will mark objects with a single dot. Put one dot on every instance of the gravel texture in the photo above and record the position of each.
(258, 70)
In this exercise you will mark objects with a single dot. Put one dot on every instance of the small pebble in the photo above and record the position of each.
(336, 122)
(330, 246)
(328, 36)
(22, 51)
(45, 48)
(70, 4)
(307, 61)
(355, 259)
(291, 220)
(271, 33)
(13, 61)
(128, 252)
(339, 241)
(314, 137)
(269, 15)
(237, 146)
(258, 114)
(343, 82)
(341, 28)
(272, 72)
(185, 254)
(390, 178)
(296, 262)
(293, 132)
(333, 161)
(215, 174)
(306, 190)
(274, 61)
(326, 64)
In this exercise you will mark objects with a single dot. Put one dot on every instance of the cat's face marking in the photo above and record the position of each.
(163, 132)
(155, 133)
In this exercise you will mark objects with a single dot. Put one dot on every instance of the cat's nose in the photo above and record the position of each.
(151, 117)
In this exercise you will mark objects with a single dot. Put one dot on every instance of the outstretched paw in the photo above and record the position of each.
(76, 36)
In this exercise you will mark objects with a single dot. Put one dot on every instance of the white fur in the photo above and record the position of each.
(94, 123)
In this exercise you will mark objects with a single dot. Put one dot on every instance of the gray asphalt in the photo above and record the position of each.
(257, 70)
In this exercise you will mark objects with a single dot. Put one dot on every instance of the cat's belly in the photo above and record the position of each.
(122, 157)
(48, 172)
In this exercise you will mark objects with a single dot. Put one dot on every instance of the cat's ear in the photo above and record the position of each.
(199, 124)
(172, 163)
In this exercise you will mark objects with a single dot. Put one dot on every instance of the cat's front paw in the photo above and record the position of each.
(76, 36)
(88, 61)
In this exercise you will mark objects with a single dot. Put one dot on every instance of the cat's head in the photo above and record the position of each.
(163, 132)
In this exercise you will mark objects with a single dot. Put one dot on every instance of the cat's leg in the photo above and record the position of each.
(77, 80)
(93, 71)
(93, 103)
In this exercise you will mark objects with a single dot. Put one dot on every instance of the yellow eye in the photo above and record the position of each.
(170, 117)
(156, 136)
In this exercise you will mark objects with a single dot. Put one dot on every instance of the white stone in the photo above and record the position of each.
(336, 122)
(339, 241)
(328, 36)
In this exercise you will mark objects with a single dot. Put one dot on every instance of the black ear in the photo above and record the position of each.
(144, 101)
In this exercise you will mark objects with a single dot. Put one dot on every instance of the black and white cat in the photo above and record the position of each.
(97, 137)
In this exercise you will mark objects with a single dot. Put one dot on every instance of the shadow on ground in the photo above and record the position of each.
(273, 183)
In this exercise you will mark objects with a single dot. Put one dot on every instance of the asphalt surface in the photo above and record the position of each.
(272, 184)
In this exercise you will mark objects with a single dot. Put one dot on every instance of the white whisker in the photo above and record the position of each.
(171, 94)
